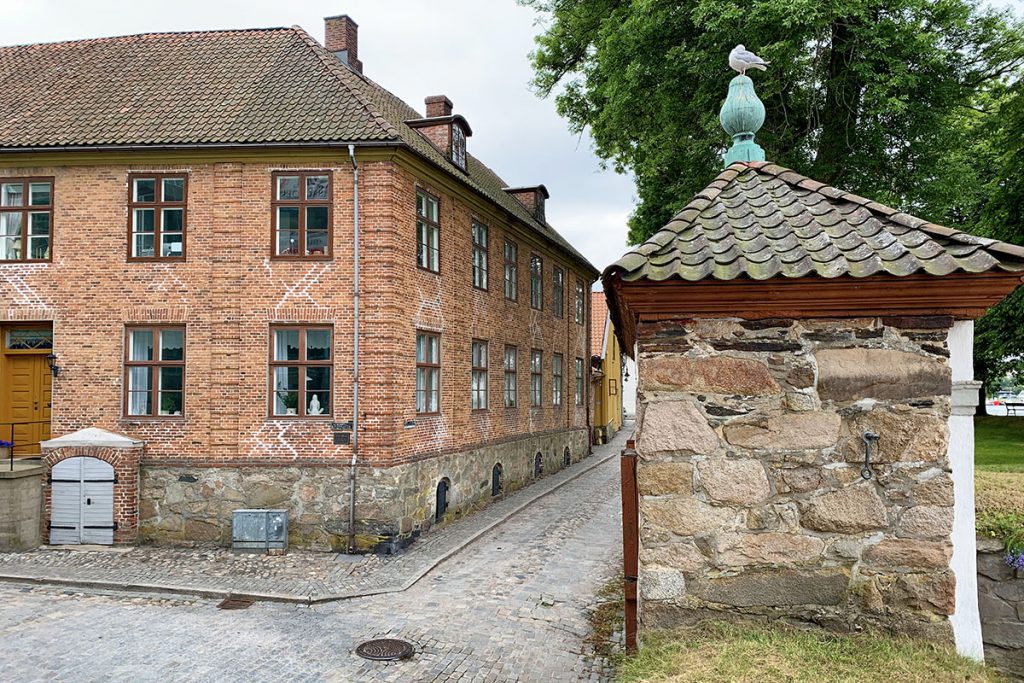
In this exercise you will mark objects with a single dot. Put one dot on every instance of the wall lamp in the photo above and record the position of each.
(52, 360)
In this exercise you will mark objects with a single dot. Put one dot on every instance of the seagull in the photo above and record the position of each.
(741, 60)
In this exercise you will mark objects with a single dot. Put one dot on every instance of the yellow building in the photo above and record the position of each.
(606, 372)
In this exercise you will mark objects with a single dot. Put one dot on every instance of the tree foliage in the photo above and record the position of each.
(914, 103)
(875, 96)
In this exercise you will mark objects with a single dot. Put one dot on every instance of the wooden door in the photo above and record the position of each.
(28, 401)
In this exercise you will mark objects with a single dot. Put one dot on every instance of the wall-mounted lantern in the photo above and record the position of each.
(51, 359)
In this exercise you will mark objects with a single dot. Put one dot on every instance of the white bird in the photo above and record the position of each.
(741, 59)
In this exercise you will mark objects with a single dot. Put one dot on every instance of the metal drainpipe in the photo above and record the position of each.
(355, 351)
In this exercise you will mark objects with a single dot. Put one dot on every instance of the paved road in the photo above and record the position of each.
(510, 607)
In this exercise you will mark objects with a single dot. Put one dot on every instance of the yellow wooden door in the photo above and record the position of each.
(29, 382)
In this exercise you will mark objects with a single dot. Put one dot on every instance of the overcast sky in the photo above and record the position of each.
(473, 51)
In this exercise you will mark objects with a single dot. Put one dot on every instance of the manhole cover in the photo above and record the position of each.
(236, 603)
(385, 649)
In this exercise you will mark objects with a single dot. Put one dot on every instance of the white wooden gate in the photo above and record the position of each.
(82, 501)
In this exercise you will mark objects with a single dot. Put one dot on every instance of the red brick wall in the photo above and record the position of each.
(229, 292)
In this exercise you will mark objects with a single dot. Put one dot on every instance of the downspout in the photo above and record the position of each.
(355, 351)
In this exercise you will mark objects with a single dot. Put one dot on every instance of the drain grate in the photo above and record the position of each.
(236, 603)
(385, 650)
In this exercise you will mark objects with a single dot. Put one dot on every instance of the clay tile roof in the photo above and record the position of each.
(256, 86)
(758, 220)
(598, 321)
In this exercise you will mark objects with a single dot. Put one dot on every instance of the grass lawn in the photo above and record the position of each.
(999, 444)
(751, 653)
(999, 478)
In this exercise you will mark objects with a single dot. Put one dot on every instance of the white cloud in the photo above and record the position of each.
(473, 51)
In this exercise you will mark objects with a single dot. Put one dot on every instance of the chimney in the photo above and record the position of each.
(438, 105)
(532, 198)
(341, 36)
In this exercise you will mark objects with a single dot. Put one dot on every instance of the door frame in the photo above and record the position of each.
(5, 400)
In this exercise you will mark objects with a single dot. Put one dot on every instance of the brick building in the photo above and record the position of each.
(185, 221)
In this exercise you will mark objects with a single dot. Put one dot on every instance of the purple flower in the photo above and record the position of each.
(1015, 559)
(6, 444)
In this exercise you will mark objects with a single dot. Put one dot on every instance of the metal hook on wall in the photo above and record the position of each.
(869, 438)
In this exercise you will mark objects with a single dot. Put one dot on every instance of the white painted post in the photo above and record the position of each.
(966, 620)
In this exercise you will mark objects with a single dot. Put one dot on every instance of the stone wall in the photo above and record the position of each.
(1001, 600)
(752, 499)
(183, 505)
(21, 504)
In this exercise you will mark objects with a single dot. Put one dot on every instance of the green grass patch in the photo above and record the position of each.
(999, 479)
(752, 653)
(999, 444)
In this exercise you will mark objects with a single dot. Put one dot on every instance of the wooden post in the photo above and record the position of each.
(630, 540)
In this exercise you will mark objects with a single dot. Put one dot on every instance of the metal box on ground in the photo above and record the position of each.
(259, 531)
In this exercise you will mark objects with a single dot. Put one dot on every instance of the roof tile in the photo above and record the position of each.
(760, 220)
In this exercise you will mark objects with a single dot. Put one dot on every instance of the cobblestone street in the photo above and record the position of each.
(510, 606)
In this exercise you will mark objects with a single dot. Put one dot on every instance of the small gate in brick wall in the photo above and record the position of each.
(91, 491)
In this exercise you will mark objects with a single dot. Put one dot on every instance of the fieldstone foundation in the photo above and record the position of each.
(193, 505)
(750, 457)
(1001, 601)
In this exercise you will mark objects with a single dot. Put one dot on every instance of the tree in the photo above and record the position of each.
(914, 103)
(879, 97)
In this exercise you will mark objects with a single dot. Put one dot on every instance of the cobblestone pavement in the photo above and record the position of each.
(298, 576)
(510, 606)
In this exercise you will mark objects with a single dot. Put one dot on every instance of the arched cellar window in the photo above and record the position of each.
(566, 457)
(538, 464)
(443, 489)
(496, 479)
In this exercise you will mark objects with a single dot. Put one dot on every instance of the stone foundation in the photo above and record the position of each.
(1001, 600)
(183, 505)
(750, 458)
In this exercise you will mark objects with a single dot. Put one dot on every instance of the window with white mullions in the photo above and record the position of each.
(26, 219)
(511, 254)
(579, 381)
(536, 377)
(536, 282)
(558, 292)
(155, 372)
(580, 302)
(479, 376)
(428, 373)
(300, 371)
(428, 232)
(157, 207)
(302, 214)
(479, 256)
(511, 376)
(557, 379)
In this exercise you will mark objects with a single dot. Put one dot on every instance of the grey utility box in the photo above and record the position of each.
(258, 531)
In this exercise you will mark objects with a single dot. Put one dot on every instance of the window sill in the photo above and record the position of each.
(144, 419)
(156, 259)
(301, 259)
(293, 418)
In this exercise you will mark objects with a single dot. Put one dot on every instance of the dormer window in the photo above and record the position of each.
(459, 146)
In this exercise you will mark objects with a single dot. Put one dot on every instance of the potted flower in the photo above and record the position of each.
(6, 450)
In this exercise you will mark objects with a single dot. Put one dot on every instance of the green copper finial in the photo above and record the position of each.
(742, 114)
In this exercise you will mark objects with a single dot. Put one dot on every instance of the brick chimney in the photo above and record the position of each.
(438, 105)
(341, 36)
(532, 198)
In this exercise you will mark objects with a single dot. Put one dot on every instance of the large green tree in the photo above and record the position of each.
(915, 103)
(877, 97)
